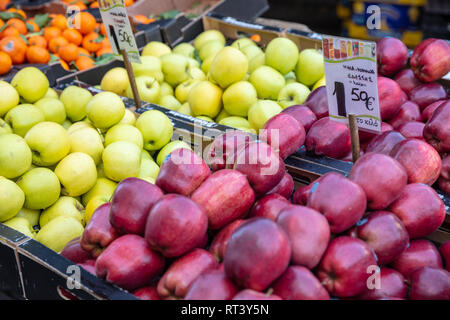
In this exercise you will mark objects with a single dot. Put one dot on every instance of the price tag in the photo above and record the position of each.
(351, 76)
(117, 25)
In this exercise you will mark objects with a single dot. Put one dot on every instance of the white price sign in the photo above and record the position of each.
(351, 76)
(117, 25)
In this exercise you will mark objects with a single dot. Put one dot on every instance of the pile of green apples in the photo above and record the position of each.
(240, 85)
(62, 154)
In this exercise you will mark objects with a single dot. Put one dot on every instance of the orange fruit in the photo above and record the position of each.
(84, 22)
(103, 51)
(73, 36)
(18, 24)
(37, 40)
(4, 4)
(81, 6)
(59, 21)
(83, 51)
(103, 29)
(141, 19)
(15, 47)
(56, 43)
(5, 62)
(51, 32)
(2, 23)
(128, 3)
(21, 12)
(83, 63)
(64, 64)
(105, 43)
(69, 52)
(31, 22)
(90, 42)
(93, 5)
(9, 32)
(37, 54)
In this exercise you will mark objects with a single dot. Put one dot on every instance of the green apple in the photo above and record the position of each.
(66, 124)
(49, 143)
(23, 117)
(210, 49)
(41, 187)
(229, 66)
(75, 100)
(205, 118)
(31, 215)
(10, 97)
(22, 225)
(79, 125)
(146, 155)
(292, 94)
(77, 173)
(262, 111)
(128, 118)
(282, 54)
(165, 89)
(235, 122)
(156, 49)
(4, 127)
(238, 98)
(222, 114)
(115, 80)
(92, 205)
(124, 132)
(268, 82)
(182, 90)
(148, 168)
(320, 83)
(251, 52)
(31, 84)
(15, 156)
(168, 148)
(207, 36)
(148, 88)
(175, 68)
(12, 199)
(256, 62)
(186, 49)
(52, 108)
(88, 141)
(121, 160)
(149, 179)
(185, 109)
(206, 64)
(205, 99)
(100, 171)
(193, 63)
(105, 110)
(103, 187)
(243, 42)
(51, 93)
(156, 128)
(196, 73)
(58, 232)
(169, 102)
(290, 77)
(310, 67)
(149, 66)
(64, 206)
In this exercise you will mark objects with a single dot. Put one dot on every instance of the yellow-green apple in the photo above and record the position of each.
(77, 173)
(210, 49)
(185, 109)
(10, 97)
(430, 284)
(4, 127)
(22, 225)
(64, 206)
(252, 52)
(261, 111)
(256, 62)
(268, 82)
(193, 63)
(169, 102)
(121, 159)
(186, 49)
(320, 83)
(219, 243)
(392, 56)
(75, 100)
(182, 90)
(52, 108)
(175, 68)
(269, 207)
(12, 199)
(293, 94)
(156, 49)
(31, 215)
(58, 232)
(41, 188)
(148, 89)
(105, 109)
(238, 98)
(168, 148)
(206, 64)
(392, 286)
(206, 36)
(66, 124)
(156, 128)
(31, 84)
(222, 114)
(149, 66)
(243, 42)
(302, 114)
(282, 55)
(23, 117)
(102, 187)
(51, 93)
(79, 125)
(148, 169)
(15, 156)
(290, 77)
(235, 122)
(87, 140)
(430, 60)
(436, 131)
(310, 67)
(205, 99)
(94, 203)
(165, 89)
(229, 66)
(212, 285)
(124, 132)
(115, 80)
(128, 118)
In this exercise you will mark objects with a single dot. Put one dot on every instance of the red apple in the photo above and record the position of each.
(220, 241)
(444, 185)
(263, 166)
(429, 110)
(430, 284)
(437, 128)
(344, 268)
(409, 111)
(302, 114)
(349, 156)
(392, 56)
(177, 279)
(420, 253)
(385, 142)
(407, 80)
(89, 266)
(317, 101)
(226, 196)
(390, 97)
(365, 136)
(175, 225)
(392, 285)
(147, 293)
(301, 195)
(299, 283)
(309, 234)
(249, 294)
(329, 138)
(258, 252)
(444, 250)
(445, 170)
(74, 252)
(285, 187)
(129, 262)
(412, 129)
(131, 202)
(99, 232)
(211, 285)
(430, 60)
(427, 93)
(269, 206)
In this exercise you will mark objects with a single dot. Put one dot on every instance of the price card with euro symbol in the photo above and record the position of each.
(351, 80)
(120, 34)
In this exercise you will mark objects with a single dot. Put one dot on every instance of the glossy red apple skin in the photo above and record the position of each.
(177, 279)
(175, 225)
(301, 195)
(420, 160)
(212, 285)
(407, 80)
(437, 128)
(409, 111)
(329, 138)
(445, 170)
(269, 206)
(392, 285)
(89, 266)
(284, 134)
(74, 252)
(129, 262)
(308, 232)
(99, 232)
(147, 293)
(226, 196)
(130, 204)
(340, 200)
(444, 250)
(262, 166)
(430, 284)
(429, 110)
(249, 294)
(365, 136)
(317, 101)
(444, 185)
(349, 156)
(285, 187)
(412, 130)
(420, 253)
(430, 60)
(381, 177)
(257, 242)
(302, 114)
(220, 240)
(392, 56)
(182, 172)
(343, 269)
(385, 234)
(385, 142)
(390, 97)
(427, 93)
(420, 209)
(299, 283)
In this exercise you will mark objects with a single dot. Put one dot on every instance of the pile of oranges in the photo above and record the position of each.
(83, 5)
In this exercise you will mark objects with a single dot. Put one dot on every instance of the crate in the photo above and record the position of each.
(53, 71)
